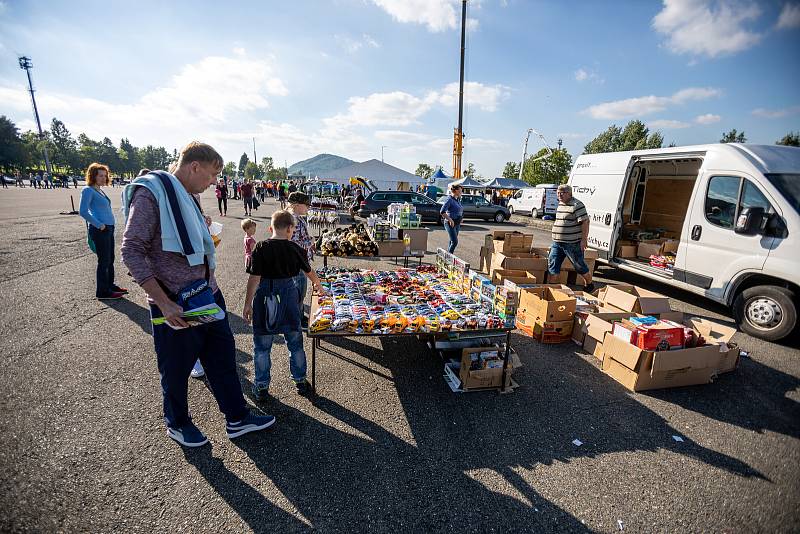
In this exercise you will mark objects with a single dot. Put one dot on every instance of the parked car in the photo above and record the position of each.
(377, 203)
(535, 201)
(477, 207)
(731, 210)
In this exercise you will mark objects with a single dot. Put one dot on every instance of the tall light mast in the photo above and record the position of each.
(26, 65)
(458, 135)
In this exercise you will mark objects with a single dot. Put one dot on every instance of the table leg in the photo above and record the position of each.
(505, 362)
(325, 261)
(314, 364)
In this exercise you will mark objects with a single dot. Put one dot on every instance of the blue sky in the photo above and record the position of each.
(349, 76)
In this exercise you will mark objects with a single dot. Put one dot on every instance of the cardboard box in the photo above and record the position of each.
(419, 238)
(649, 248)
(484, 263)
(597, 324)
(545, 304)
(593, 347)
(518, 261)
(391, 248)
(636, 299)
(640, 370)
(510, 242)
(626, 249)
(485, 378)
(499, 276)
(711, 331)
(552, 332)
(670, 246)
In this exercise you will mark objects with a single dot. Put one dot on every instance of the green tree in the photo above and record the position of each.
(129, 157)
(424, 170)
(553, 169)
(790, 139)
(278, 173)
(12, 154)
(251, 170)
(511, 170)
(229, 169)
(733, 137)
(266, 165)
(88, 150)
(64, 152)
(243, 162)
(33, 149)
(471, 172)
(635, 136)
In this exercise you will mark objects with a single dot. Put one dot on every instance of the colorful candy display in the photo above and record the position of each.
(395, 302)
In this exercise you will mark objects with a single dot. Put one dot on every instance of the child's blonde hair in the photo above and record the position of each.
(248, 223)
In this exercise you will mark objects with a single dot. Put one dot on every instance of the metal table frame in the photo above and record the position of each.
(317, 337)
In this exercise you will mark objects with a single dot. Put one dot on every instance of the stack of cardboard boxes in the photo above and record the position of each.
(698, 349)
(546, 313)
(481, 368)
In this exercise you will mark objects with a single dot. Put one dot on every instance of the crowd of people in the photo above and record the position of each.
(40, 180)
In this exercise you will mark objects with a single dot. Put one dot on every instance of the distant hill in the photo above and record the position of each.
(320, 164)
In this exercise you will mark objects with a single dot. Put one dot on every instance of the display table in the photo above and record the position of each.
(396, 257)
(318, 337)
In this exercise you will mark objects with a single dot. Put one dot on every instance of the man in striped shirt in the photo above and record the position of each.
(570, 236)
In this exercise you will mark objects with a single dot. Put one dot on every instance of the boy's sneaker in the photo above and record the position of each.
(251, 423)
(589, 288)
(188, 435)
(116, 295)
(197, 370)
(261, 394)
(303, 387)
(122, 290)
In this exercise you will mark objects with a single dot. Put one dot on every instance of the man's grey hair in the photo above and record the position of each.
(565, 187)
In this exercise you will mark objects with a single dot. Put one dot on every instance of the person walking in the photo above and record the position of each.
(282, 194)
(570, 236)
(299, 203)
(221, 191)
(248, 195)
(452, 213)
(95, 208)
(171, 255)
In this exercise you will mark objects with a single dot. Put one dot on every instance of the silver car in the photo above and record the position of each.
(477, 207)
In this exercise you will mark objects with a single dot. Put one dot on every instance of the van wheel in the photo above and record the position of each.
(511, 210)
(499, 217)
(766, 312)
(535, 213)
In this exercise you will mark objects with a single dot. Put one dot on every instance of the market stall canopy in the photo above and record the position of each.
(382, 174)
(440, 175)
(469, 183)
(507, 183)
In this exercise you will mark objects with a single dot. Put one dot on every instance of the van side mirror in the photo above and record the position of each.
(749, 221)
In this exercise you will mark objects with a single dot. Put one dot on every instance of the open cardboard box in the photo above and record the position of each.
(596, 326)
(485, 378)
(500, 275)
(510, 242)
(518, 261)
(640, 370)
(639, 300)
(545, 304)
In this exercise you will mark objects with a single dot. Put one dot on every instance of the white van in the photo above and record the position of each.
(535, 201)
(733, 211)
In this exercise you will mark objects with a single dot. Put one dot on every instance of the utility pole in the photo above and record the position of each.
(26, 65)
(255, 158)
(458, 135)
(382, 147)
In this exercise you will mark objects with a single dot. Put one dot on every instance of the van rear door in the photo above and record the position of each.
(598, 180)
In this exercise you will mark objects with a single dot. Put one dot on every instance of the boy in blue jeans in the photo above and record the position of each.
(272, 303)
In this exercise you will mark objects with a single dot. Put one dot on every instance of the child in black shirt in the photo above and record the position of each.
(272, 302)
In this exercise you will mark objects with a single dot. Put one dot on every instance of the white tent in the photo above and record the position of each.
(384, 176)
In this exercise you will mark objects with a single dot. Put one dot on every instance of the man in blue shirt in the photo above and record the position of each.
(452, 213)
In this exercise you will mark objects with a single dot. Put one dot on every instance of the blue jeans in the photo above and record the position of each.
(302, 284)
(263, 363)
(176, 352)
(559, 251)
(104, 245)
(452, 232)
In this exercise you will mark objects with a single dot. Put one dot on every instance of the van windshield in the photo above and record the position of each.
(789, 186)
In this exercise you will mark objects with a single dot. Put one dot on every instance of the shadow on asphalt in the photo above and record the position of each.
(136, 313)
(459, 470)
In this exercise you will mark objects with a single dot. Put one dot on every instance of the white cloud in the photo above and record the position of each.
(645, 105)
(486, 97)
(437, 15)
(582, 75)
(789, 17)
(571, 135)
(776, 113)
(708, 118)
(667, 124)
(707, 27)
(402, 138)
(198, 101)
(351, 45)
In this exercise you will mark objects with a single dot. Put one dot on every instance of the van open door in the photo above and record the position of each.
(598, 180)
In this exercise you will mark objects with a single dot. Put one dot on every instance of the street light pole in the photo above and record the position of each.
(26, 65)
(382, 147)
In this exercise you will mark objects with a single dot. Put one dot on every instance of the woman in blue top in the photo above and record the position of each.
(452, 214)
(96, 209)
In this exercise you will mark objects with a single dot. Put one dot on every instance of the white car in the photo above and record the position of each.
(535, 201)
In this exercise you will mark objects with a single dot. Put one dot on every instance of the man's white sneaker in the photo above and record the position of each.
(198, 371)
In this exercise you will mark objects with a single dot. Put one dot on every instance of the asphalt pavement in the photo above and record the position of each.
(385, 445)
